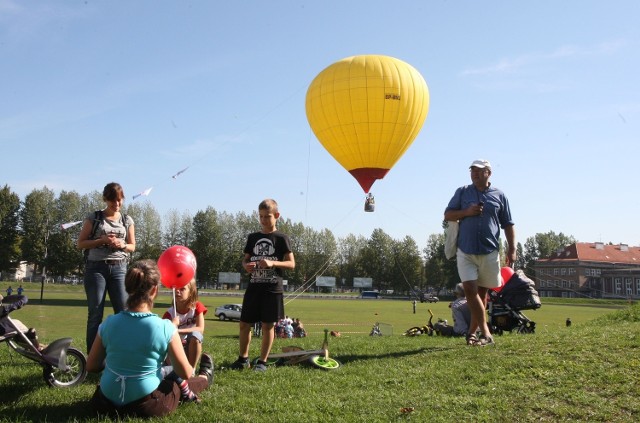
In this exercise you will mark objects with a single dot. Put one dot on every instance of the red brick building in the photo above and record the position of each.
(593, 270)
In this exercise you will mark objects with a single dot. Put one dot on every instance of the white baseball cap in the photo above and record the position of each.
(481, 163)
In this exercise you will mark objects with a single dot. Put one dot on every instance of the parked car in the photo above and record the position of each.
(228, 312)
(428, 298)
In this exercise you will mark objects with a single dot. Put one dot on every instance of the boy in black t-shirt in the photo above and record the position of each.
(266, 254)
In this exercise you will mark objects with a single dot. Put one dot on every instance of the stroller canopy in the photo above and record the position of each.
(520, 292)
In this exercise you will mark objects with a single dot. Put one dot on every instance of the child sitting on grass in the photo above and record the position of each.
(188, 316)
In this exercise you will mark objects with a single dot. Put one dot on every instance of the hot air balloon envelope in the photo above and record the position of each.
(366, 111)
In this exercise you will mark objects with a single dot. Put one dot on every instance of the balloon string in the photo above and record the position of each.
(175, 307)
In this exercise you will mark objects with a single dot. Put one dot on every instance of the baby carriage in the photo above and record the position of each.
(62, 365)
(505, 307)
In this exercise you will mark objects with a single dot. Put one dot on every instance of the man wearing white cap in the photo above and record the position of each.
(481, 210)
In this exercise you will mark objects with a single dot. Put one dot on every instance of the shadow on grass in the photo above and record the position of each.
(12, 392)
(79, 411)
(57, 302)
(227, 336)
(352, 358)
(63, 302)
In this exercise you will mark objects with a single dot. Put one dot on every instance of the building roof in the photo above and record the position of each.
(595, 251)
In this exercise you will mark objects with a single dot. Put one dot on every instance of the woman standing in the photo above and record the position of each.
(108, 236)
(132, 346)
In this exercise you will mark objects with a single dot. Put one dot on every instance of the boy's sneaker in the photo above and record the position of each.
(206, 367)
(260, 367)
(240, 364)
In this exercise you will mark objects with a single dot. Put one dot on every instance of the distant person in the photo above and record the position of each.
(130, 349)
(298, 329)
(188, 316)
(481, 210)
(9, 291)
(109, 246)
(266, 255)
(288, 329)
(459, 313)
(20, 290)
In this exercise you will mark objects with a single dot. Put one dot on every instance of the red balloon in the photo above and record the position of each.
(506, 273)
(177, 266)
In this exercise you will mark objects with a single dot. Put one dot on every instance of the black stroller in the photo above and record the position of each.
(505, 307)
(62, 365)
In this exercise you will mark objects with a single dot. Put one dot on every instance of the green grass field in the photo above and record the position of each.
(586, 372)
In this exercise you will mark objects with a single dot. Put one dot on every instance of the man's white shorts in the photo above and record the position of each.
(483, 268)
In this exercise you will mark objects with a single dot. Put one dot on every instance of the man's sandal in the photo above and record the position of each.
(486, 340)
(472, 339)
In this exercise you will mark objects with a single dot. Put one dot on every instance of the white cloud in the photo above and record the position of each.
(510, 65)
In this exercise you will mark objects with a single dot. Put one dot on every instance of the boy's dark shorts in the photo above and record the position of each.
(261, 306)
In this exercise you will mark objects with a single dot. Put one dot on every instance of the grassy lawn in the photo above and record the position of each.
(586, 372)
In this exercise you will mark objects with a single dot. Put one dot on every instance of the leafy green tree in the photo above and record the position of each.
(147, 225)
(440, 272)
(178, 229)
(408, 273)
(9, 229)
(36, 223)
(378, 259)
(543, 245)
(233, 243)
(206, 244)
(348, 259)
(63, 256)
(303, 271)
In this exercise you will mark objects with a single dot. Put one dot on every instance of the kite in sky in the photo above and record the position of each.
(66, 226)
(179, 173)
(145, 193)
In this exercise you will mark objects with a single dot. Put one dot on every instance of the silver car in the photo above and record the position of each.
(228, 312)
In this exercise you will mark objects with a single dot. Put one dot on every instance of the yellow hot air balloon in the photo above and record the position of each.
(366, 111)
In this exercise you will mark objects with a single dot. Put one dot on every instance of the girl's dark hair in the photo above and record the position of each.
(141, 278)
(113, 192)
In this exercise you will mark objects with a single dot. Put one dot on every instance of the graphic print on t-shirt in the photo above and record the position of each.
(264, 250)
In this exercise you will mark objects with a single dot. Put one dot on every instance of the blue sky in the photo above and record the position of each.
(135, 91)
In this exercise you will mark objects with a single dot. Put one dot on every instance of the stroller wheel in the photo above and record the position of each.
(74, 375)
(528, 327)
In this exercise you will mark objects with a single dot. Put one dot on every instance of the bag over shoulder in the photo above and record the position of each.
(451, 239)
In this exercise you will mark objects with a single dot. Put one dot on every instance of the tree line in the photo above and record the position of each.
(30, 231)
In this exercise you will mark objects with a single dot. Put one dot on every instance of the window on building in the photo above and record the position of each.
(618, 285)
(556, 271)
(572, 271)
(638, 286)
(563, 271)
(628, 284)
